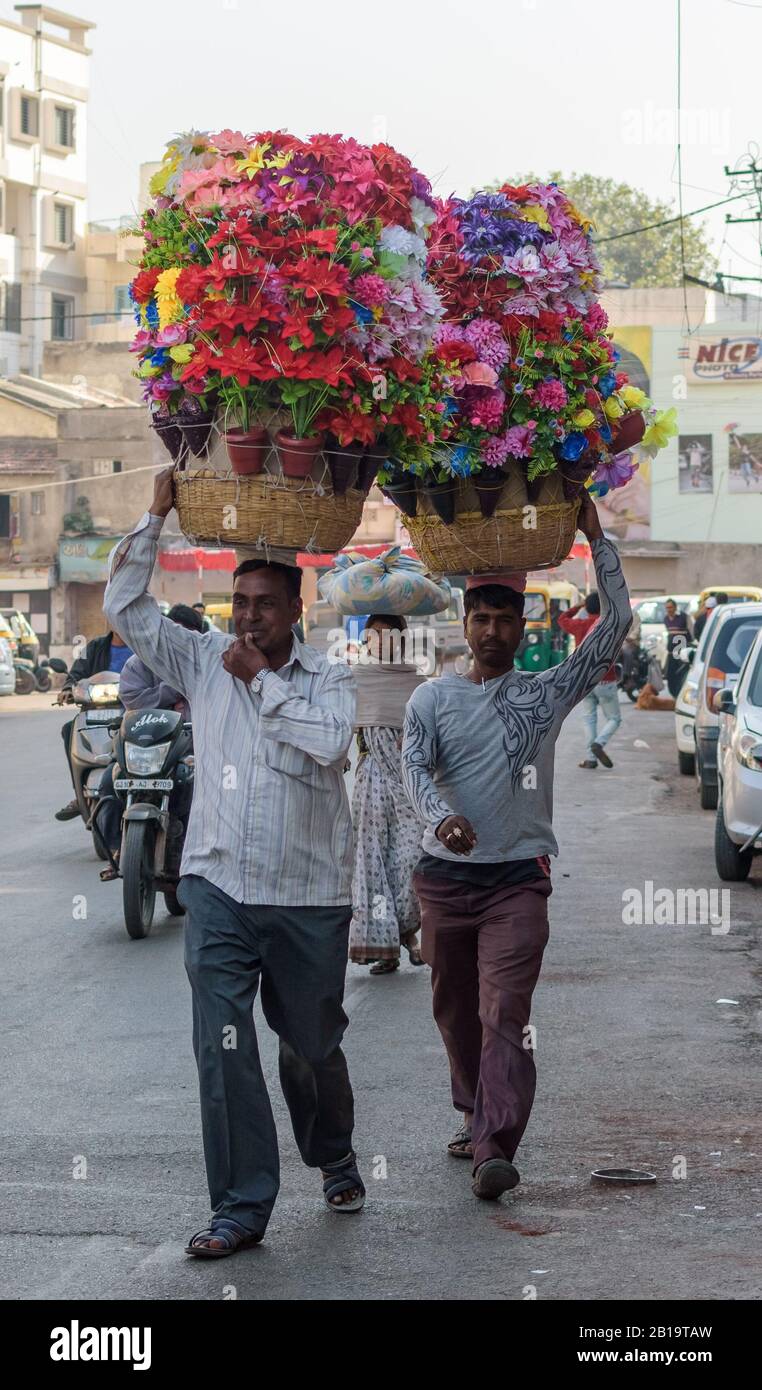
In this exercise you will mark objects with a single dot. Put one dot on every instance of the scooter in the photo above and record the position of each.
(31, 677)
(634, 674)
(154, 756)
(100, 713)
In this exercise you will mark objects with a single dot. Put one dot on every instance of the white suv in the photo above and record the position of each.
(738, 828)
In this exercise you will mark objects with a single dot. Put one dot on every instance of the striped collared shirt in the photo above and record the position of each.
(270, 821)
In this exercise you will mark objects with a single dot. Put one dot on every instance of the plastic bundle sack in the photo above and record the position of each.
(391, 583)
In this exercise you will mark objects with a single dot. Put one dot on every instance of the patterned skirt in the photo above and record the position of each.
(387, 847)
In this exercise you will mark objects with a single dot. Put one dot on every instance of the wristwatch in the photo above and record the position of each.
(258, 680)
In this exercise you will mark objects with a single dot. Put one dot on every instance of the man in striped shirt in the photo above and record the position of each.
(266, 884)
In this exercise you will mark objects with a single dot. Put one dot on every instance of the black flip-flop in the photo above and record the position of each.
(463, 1136)
(494, 1177)
(236, 1236)
(601, 754)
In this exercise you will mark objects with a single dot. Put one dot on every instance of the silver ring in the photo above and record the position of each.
(457, 831)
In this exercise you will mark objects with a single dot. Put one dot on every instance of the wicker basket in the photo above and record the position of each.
(270, 512)
(475, 544)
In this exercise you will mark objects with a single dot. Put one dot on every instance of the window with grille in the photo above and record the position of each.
(63, 124)
(106, 466)
(62, 316)
(29, 115)
(63, 223)
(122, 301)
(5, 516)
(38, 504)
(11, 307)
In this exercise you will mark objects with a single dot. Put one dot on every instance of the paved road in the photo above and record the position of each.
(638, 1065)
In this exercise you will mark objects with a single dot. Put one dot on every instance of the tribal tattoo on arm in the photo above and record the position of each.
(570, 682)
(419, 759)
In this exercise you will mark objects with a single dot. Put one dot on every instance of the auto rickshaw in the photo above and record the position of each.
(544, 644)
(737, 593)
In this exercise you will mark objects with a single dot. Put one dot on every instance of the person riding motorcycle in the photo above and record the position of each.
(139, 688)
(107, 653)
(630, 649)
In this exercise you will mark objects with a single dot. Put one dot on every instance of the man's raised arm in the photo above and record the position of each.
(171, 651)
(588, 664)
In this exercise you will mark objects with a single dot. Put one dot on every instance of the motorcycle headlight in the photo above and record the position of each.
(532, 638)
(145, 761)
(103, 694)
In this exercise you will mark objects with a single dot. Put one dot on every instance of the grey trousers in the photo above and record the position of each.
(300, 955)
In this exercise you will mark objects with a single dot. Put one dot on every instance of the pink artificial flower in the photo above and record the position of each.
(551, 395)
(519, 440)
(142, 341)
(479, 374)
(170, 336)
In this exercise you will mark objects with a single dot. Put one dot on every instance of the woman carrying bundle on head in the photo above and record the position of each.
(387, 829)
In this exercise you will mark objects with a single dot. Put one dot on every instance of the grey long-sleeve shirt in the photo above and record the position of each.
(487, 753)
(270, 821)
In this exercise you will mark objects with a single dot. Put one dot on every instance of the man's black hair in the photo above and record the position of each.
(291, 573)
(392, 620)
(493, 596)
(721, 597)
(593, 602)
(194, 605)
(187, 617)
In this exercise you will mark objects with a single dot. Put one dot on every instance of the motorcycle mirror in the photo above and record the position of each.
(56, 664)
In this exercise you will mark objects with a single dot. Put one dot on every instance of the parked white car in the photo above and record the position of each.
(653, 631)
(7, 671)
(687, 699)
(733, 632)
(738, 828)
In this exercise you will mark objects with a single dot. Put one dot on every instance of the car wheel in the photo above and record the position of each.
(686, 763)
(707, 794)
(732, 863)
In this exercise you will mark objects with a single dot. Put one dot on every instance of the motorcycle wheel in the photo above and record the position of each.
(43, 679)
(25, 682)
(173, 905)
(139, 890)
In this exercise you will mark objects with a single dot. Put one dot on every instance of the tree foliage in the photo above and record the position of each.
(649, 259)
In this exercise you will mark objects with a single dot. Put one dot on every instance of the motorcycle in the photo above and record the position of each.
(633, 674)
(31, 677)
(100, 713)
(154, 757)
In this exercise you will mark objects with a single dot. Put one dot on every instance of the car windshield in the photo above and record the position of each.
(450, 615)
(732, 643)
(755, 684)
(654, 611)
(534, 608)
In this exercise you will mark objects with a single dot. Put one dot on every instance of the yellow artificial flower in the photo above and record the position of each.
(661, 430)
(182, 352)
(254, 161)
(633, 397)
(613, 408)
(584, 419)
(168, 303)
(146, 369)
(532, 212)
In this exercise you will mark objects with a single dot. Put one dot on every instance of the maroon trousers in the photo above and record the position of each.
(485, 947)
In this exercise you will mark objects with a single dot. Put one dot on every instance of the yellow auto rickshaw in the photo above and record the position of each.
(737, 593)
(544, 644)
(221, 614)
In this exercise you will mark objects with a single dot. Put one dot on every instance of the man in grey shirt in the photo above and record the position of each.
(477, 760)
(266, 886)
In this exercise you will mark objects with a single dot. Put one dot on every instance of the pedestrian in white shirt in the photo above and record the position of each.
(266, 877)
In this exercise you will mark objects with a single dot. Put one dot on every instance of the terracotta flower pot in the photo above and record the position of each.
(171, 436)
(442, 497)
(196, 431)
(627, 432)
(489, 487)
(401, 490)
(247, 450)
(343, 463)
(297, 456)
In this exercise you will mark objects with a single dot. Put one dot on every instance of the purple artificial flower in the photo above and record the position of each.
(488, 342)
(618, 471)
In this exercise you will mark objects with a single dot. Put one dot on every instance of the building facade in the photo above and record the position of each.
(44, 76)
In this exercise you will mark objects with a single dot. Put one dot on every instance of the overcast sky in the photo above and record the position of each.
(469, 91)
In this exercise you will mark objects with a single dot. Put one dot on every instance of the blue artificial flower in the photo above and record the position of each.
(607, 384)
(152, 314)
(159, 357)
(605, 432)
(460, 462)
(362, 314)
(520, 361)
(599, 489)
(573, 446)
(193, 246)
(518, 388)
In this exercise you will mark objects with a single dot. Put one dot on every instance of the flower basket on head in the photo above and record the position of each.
(524, 386)
(283, 308)
(265, 512)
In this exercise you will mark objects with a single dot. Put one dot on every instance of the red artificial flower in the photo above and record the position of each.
(144, 284)
(234, 262)
(518, 193)
(225, 317)
(191, 283)
(295, 323)
(317, 276)
(455, 352)
(336, 320)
